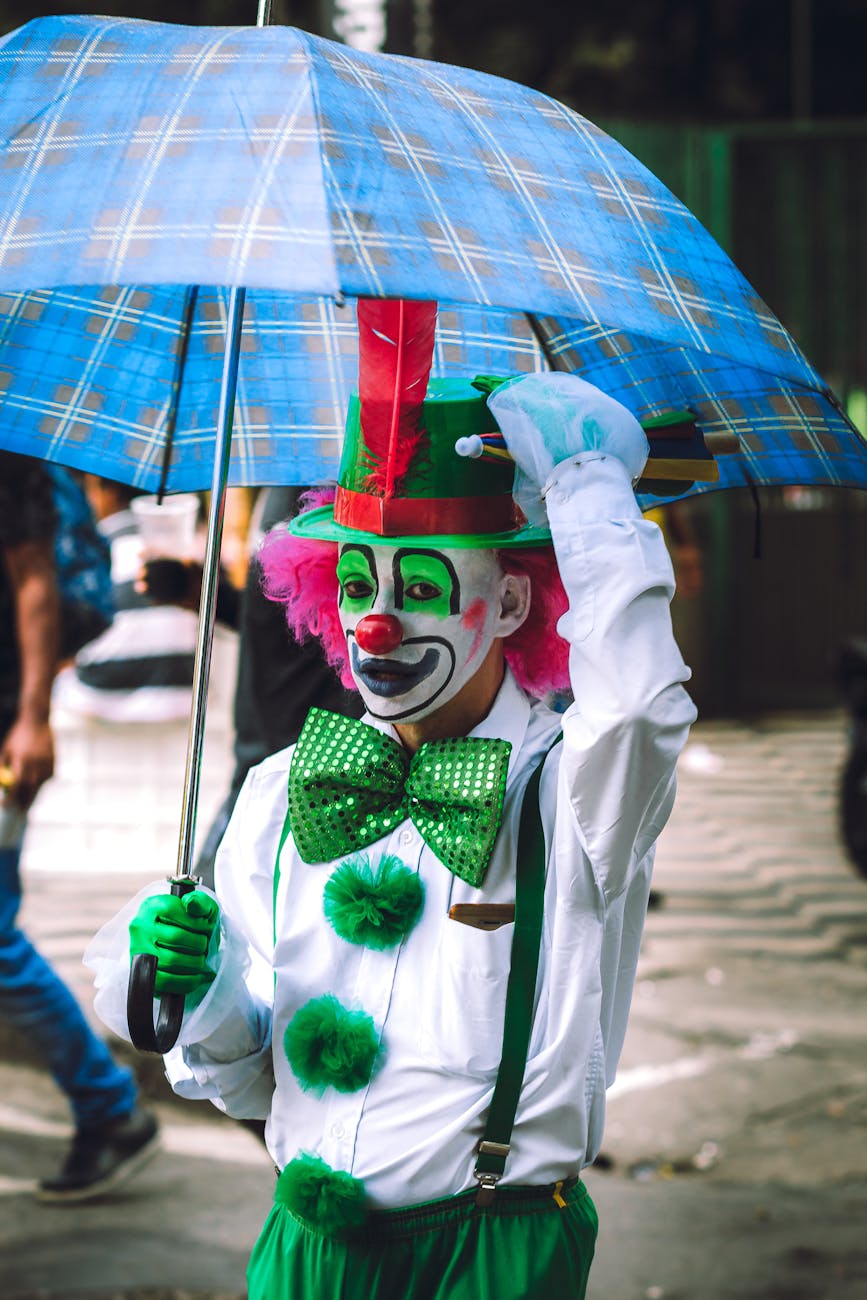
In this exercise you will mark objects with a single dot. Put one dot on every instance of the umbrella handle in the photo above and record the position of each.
(145, 1036)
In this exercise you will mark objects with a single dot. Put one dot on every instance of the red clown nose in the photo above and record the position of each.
(378, 634)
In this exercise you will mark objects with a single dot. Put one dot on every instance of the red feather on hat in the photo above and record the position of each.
(395, 352)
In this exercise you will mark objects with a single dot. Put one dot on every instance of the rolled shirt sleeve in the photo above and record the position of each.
(631, 715)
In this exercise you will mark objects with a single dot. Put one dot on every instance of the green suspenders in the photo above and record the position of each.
(494, 1147)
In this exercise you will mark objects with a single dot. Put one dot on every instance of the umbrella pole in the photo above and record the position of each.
(140, 994)
(210, 579)
(210, 576)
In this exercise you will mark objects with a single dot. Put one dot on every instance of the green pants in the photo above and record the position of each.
(526, 1246)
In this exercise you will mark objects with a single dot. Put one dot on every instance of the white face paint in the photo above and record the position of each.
(419, 622)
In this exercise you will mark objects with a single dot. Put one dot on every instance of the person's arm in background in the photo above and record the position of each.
(166, 580)
(28, 747)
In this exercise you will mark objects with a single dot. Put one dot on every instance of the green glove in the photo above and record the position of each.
(177, 931)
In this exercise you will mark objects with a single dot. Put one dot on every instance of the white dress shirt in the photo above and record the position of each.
(437, 999)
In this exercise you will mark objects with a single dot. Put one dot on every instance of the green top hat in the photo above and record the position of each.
(424, 461)
(439, 496)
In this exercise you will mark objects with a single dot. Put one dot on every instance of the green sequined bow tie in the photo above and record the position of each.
(349, 785)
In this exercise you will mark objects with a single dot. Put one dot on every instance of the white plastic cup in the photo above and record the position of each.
(167, 527)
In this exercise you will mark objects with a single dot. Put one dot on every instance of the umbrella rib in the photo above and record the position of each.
(191, 296)
(542, 339)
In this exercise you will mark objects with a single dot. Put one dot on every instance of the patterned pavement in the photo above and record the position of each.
(751, 863)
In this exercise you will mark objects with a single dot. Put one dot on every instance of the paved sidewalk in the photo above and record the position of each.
(736, 1143)
(749, 1005)
(736, 1147)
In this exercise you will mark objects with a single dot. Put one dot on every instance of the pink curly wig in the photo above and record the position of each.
(301, 575)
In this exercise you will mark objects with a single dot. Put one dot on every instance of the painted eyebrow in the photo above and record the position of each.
(454, 594)
(367, 551)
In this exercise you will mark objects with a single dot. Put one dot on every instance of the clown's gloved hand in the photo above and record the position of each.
(177, 931)
(548, 418)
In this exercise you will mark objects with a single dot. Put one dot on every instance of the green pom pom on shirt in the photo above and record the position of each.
(327, 1045)
(375, 908)
(326, 1198)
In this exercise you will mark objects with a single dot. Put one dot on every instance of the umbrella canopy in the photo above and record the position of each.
(137, 152)
(123, 380)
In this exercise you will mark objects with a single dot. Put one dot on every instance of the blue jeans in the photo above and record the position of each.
(35, 1000)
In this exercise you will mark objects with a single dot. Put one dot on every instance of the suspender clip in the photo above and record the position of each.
(488, 1178)
(487, 1187)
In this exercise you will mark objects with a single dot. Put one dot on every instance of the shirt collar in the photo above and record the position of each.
(507, 719)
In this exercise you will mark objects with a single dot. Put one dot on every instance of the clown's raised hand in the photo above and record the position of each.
(548, 418)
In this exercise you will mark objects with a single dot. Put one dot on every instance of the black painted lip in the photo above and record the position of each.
(401, 677)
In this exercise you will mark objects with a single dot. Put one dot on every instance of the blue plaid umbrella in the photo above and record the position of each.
(136, 152)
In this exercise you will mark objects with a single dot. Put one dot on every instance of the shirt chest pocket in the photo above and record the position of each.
(460, 1023)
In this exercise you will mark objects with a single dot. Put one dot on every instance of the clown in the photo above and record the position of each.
(419, 962)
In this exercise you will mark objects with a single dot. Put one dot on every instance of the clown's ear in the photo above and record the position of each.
(514, 602)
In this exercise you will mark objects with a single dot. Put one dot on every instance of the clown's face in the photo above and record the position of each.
(419, 622)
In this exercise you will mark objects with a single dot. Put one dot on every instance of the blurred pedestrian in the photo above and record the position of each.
(140, 669)
(683, 547)
(113, 1134)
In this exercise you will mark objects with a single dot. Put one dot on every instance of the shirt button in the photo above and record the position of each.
(406, 837)
(337, 1130)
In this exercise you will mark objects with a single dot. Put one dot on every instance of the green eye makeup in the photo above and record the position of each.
(357, 577)
(425, 583)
